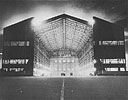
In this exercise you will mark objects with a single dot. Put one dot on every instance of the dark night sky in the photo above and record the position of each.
(12, 11)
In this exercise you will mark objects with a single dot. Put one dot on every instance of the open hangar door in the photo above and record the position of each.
(67, 47)
(63, 45)
(59, 45)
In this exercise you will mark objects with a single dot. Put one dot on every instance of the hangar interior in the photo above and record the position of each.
(63, 45)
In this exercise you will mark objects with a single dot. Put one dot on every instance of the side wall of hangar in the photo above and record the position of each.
(26, 47)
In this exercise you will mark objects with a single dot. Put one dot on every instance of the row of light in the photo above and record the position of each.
(110, 61)
(14, 69)
(64, 61)
(115, 69)
(64, 69)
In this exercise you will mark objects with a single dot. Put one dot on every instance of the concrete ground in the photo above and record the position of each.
(75, 88)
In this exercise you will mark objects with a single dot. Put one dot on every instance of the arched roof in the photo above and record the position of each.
(64, 32)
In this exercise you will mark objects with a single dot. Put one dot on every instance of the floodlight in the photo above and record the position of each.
(37, 23)
(91, 22)
(94, 61)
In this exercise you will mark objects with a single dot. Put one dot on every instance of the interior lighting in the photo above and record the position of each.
(72, 60)
(59, 61)
(64, 60)
(68, 60)
(55, 61)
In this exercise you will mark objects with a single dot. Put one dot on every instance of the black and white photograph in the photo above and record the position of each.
(63, 49)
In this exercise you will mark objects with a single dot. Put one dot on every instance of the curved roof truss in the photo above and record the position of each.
(64, 32)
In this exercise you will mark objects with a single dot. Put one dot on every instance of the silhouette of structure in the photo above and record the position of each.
(63, 45)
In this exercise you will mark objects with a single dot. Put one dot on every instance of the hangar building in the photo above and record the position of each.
(63, 46)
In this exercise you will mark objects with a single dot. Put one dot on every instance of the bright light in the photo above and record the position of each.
(37, 72)
(37, 21)
(127, 61)
(114, 69)
(126, 33)
(37, 24)
(41, 72)
(55, 61)
(86, 70)
(91, 21)
(94, 69)
(59, 61)
(1, 32)
(122, 69)
(68, 60)
(94, 61)
(72, 60)
(41, 14)
(64, 60)
(0, 53)
(0, 63)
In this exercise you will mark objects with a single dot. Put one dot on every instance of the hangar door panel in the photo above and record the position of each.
(18, 49)
(109, 43)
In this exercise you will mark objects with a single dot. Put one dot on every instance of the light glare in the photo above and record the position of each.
(94, 61)
(36, 21)
(37, 24)
(41, 72)
(91, 22)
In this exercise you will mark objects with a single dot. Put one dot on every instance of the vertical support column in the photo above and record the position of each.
(64, 32)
